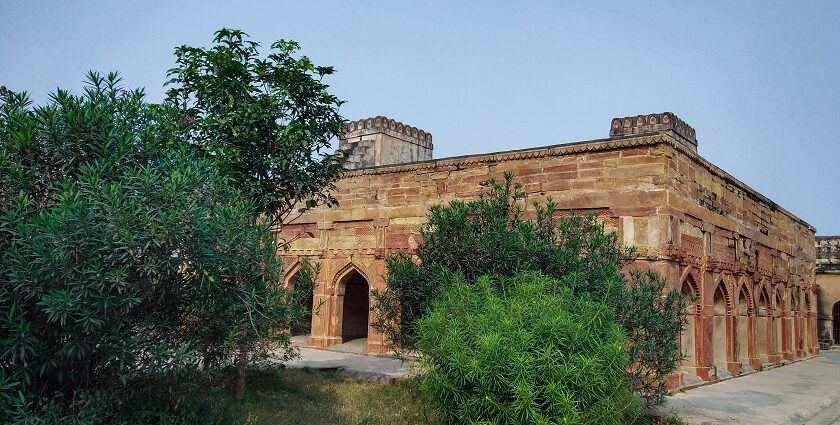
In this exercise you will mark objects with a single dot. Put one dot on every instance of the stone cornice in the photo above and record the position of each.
(597, 145)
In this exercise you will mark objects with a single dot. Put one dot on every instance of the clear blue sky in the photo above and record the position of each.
(759, 81)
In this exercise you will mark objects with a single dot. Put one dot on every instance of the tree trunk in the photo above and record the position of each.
(241, 364)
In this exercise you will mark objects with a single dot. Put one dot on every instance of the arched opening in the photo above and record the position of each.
(794, 312)
(835, 322)
(762, 325)
(778, 321)
(355, 308)
(303, 325)
(719, 335)
(810, 334)
(687, 337)
(742, 333)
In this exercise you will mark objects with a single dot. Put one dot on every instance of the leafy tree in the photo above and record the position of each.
(124, 256)
(490, 236)
(269, 124)
(523, 350)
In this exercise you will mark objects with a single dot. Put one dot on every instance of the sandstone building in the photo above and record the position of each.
(828, 290)
(748, 262)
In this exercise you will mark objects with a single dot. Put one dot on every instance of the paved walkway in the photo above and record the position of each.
(357, 366)
(806, 392)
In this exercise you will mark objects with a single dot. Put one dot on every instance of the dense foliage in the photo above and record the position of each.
(268, 121)
(124, 256)
(492, 236)
(523, 350)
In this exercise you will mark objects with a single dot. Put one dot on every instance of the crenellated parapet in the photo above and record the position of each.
(388, 126)
(666, 122)
(376, 141)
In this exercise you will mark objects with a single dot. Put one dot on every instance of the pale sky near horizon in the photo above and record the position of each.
(759, 81)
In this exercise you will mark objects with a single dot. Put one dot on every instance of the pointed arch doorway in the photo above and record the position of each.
(303, 325)
(723, 331)
(354, 297)
(687, 337)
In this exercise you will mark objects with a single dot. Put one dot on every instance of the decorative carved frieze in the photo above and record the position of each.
(665, 122)
(380, 124)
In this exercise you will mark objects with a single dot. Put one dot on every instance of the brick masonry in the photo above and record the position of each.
(749, 263)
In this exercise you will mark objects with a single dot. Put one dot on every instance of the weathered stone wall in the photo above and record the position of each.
(748, 262)
(828, 286)
(383, 208)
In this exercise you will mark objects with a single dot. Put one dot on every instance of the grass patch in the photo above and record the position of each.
(669, 420)
(305, 396)
(295, 396)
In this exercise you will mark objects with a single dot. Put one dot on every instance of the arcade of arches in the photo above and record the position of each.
(746, 263)
(348, 306)
(737, 324)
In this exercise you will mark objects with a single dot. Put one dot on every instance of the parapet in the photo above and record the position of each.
(388, 126)
(375, 141)
(828, 254)
(666, 122)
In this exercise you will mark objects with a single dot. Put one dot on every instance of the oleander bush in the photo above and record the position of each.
(138, 241)
(523, 350)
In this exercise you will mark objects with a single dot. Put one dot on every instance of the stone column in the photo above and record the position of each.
(376, 343)
(798, 336)
(704, 327)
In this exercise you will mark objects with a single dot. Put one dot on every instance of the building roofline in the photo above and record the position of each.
(647, 139)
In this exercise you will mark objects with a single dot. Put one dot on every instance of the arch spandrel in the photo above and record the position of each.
(345, 271)
(689, 283)
(289, 276)
(723, 292)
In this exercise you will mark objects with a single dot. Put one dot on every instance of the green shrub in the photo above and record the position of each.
(523, 350)
(138, 242)
(491, 236)
(123, 257)
(267, 119)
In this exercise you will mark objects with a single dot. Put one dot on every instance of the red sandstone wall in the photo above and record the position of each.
(750, 262)
(383, 208)
(699, 227)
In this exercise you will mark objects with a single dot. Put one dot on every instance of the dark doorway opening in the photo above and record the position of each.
(354, 314)
(303, 325)
(835, 328)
